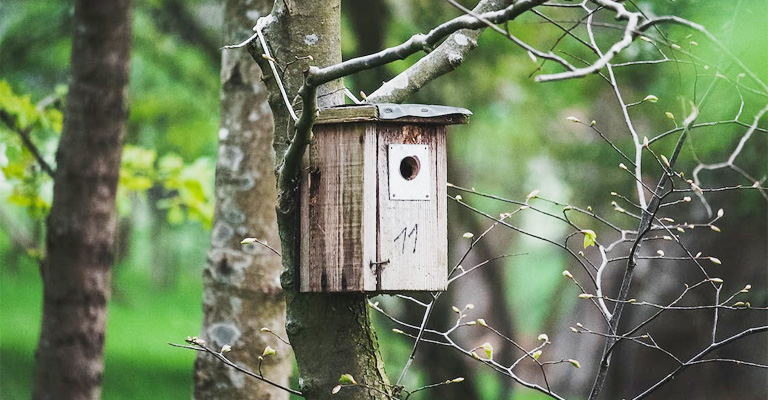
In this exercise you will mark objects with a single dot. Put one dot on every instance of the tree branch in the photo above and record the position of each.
(695, 359)
(444, 59)
(27, 141)
(199, 345)
(418, 43)
(645, 224)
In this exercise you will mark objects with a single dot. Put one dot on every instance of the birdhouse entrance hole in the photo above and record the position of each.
(409, 167)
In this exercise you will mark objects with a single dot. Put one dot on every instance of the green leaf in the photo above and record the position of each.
(589, 237)
(488, 350)
(347, 379)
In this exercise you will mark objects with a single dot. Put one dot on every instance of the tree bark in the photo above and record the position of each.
(331, 334)
(242, 290)
(81, 226)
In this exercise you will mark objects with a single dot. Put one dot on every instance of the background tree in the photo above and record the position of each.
(242, 294)
(169, 148)
(81, 226)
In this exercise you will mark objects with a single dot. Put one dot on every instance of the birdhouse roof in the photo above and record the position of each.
(387, 112)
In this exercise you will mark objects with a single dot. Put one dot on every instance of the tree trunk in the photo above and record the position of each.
(81, 225)
(331, 334)
(242, 290)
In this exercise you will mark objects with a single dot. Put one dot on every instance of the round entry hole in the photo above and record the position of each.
(409, 167)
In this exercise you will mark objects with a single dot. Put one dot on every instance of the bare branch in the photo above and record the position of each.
(199, 345)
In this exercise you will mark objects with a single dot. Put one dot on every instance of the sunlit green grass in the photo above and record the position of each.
(138, 361)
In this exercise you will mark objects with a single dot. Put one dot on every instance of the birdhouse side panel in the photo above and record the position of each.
(335, 249)
(412, 218)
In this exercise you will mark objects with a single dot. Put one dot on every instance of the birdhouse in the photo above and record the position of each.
(373, 199)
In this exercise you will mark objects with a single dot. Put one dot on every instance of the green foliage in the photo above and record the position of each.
(186, 188)
(23, 115)
(174, 93)
(21, 118)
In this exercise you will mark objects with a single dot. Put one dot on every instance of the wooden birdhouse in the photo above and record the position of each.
(373, 199)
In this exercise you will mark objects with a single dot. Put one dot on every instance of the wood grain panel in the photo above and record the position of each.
(334, 251)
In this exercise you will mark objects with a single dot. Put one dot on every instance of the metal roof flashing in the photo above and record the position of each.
(388, 112)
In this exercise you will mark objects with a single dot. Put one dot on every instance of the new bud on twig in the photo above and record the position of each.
(268, 351)
(347, 379)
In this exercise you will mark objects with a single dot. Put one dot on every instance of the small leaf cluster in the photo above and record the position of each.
(20, 117)
(185, 189)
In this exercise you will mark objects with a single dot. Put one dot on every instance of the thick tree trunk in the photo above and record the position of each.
(242, 290)
(331, 334)
(81, 225)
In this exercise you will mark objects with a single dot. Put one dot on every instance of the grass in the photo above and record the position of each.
(141, 319)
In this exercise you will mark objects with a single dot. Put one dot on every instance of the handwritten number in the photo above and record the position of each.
(402, 233)
(415, 234)
(406, 235)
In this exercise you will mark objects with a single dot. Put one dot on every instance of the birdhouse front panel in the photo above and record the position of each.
(373, 200)
(412, 208)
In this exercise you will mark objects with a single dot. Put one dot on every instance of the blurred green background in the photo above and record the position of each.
(518, 140)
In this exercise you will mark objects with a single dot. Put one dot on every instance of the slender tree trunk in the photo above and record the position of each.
(331, 334)
(81, 225)
(242, 290)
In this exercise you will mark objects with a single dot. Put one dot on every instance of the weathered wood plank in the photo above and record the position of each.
(370, 208)
(334, 246)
